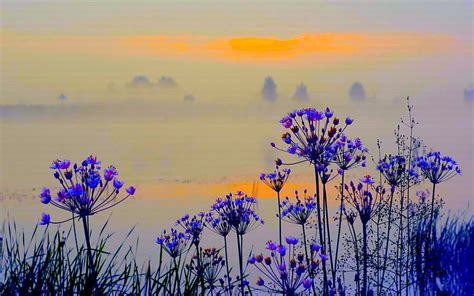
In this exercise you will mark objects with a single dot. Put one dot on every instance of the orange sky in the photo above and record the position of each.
(239, 48)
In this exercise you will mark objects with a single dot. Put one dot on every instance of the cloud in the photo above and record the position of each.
(357, 91)
(269, 89)
(301, 93)
(469, 93)
(140, 81)
(167, 81)
(305, 48)
(189, 98)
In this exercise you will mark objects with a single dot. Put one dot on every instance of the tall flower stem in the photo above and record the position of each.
(387, 241)
(279, 217)
(329, 242)
(241, 268)
(200, 268)
(364, 247)
(432, 212)
(177, 283)
(340, 224)
(227, 263)
(320, 230)
(356, 250)
(308, 259)
(92, 270)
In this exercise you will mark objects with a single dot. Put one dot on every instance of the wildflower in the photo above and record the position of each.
(238, 211)
(286, 273)
(84, 191)
(45, 195)
(60, 164)
(193, 226)
(367, 180)
(174, 243)
(437, 168)
(366, 200)
(209, 264)
(277, 179)
(348, 153)
(291, 240)
(110, 173)
(218, 224)
(393, 168)
(300, 211)
(45, 219)
(311, 133)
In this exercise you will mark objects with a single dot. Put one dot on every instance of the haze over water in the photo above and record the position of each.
(182, 153)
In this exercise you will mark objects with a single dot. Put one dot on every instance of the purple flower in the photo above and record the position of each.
(83, 193)
(60, 164)
(315, 247)
(173, 242)
(277, 179)
(281, 250)
(323, 257)
(91, 160)
(45, 195)
(393, 168)
(307, 283)
(311, 133)
(118, 184)
(110, 173)
(367, 180)
(45, 219)
(287, 273)
(298, 212)
(349, 121)
(286, 122)
(291, 240)
(437, 168)
(130, 190)
(271, 246)
(93, 181)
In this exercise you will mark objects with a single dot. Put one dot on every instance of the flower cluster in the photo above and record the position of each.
(277, 179)
(393, 168)
(238, 211)
(194, 226)
(209, 265)
(313, 132)
(300, 211)
(366, 198)
(347, 153)
(174, 242)
(85, 189)
(218, 223)
(284, 271)
(437, 168)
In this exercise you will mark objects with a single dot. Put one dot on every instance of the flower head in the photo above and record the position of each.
(194, 226)
(437, 168)
(173, 242)
(365, 199)
(310, 133)
(284, 271)
(84, 190)
(277, 179)
(238, 211)
(347, 153)
(393, 168)
(299, 211)
(45, 219)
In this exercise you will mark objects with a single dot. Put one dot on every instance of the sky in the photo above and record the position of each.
(173, 92)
